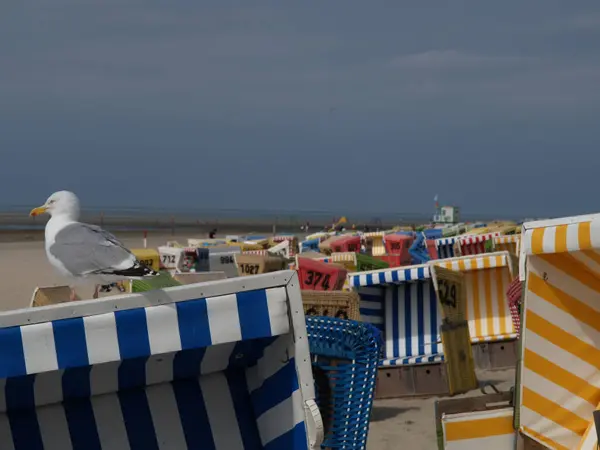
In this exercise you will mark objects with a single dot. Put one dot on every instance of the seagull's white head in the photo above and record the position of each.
(61, 203)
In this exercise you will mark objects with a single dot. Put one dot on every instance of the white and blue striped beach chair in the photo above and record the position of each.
(403, 304)
(445, 247)
(218, 365)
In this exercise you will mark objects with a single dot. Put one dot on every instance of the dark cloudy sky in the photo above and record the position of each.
(349, 105)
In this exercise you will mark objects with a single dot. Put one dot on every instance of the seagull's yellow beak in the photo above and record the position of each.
(37, 211)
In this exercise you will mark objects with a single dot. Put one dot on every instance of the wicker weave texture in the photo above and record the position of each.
(333, 304)
(345, 355)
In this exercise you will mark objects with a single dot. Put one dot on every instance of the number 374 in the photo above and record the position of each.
(314, 278)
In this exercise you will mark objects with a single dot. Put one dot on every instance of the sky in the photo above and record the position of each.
(341, 105)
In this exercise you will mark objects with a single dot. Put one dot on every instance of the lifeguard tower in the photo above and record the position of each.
(446, 214)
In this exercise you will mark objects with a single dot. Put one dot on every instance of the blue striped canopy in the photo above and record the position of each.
(445, 241)
(389, 276)
(402, 303)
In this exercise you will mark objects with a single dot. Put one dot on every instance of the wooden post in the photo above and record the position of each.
(145, 239)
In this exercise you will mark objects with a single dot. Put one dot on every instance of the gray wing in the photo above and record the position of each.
(84, 249)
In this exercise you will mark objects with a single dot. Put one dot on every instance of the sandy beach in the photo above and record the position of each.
(23, 265)
(407, 423)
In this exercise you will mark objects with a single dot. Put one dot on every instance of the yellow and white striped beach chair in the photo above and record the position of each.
(346, 259)
(589, 441)
(510, 243)
(492, 331)
(374, 240)
(560, 368)
(481, 430)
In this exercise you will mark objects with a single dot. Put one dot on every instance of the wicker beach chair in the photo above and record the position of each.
(50, 295)
(334, 304)
(345, 355)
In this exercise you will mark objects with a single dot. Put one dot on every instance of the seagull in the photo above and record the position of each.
(83, 252)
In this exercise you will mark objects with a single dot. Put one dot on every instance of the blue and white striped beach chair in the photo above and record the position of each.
(218, 365)
(403, 304)
(445, 247)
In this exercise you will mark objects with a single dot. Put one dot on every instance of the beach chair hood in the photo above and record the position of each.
(219, 365)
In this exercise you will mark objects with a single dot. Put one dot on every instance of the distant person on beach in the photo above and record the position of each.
(213, 233)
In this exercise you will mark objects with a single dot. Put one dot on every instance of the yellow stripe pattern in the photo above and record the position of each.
(561, 356)
(371, 234)
(378, 248)
(489, 430)
(508, 243)
(486, 281)
(561, 238)
(347, 259)
(343, 257)
(589, 441)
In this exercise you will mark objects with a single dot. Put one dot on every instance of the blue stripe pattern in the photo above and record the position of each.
(411, 360)
(412, 321)
(253, 314)
(407, 335)
(196, 416)
(445, 247)
(406, 312)
(372, 306)
(387, 276)
(61, 375)
(12, 358)
(133, 334)
(69, 339)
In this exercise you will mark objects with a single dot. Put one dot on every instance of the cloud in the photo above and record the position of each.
(221, 83)
(584, 22)
(453, 59)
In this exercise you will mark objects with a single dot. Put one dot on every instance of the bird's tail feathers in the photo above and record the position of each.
(138, 271)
